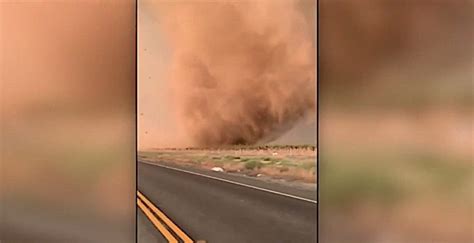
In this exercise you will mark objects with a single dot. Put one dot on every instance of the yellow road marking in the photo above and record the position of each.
(165, 219)
(157, 223)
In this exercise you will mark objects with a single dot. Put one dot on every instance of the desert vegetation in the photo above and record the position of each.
(284, 162)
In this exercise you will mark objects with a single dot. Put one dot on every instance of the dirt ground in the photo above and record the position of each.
(274, 162)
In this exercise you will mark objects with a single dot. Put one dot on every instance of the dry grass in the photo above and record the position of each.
(290, 163)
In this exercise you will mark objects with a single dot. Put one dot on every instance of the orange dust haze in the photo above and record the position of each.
(241, 72)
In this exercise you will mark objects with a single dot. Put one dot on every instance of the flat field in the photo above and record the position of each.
(282, 162)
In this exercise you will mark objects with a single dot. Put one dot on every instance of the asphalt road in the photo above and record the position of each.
(221, 212)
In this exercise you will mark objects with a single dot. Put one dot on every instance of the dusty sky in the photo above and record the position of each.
(157, 122)
(156, 127)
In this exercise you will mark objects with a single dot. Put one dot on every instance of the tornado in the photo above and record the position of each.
(241, 72)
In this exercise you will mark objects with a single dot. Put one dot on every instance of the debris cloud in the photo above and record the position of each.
(241, 72)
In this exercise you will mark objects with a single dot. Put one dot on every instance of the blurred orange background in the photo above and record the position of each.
(396, 121)
(67, 121)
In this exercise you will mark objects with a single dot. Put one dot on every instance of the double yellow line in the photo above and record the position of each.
(161, 221)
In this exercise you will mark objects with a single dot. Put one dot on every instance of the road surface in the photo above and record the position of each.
(224, 208)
